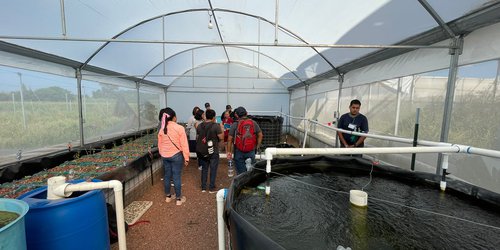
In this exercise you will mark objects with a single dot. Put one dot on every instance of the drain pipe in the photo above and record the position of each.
(221, 197)
(444, 166)
(58, 188)
(269, 156)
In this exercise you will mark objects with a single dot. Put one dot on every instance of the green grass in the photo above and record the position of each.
(52, 123)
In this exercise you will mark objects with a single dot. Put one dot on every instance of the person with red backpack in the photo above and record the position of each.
(245, 136)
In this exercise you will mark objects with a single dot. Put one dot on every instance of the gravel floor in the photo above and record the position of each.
(192, 225)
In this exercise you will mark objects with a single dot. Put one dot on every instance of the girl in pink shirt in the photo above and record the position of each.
(174, 150)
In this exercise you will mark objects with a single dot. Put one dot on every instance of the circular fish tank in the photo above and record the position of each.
(309, 208)
(12, 228)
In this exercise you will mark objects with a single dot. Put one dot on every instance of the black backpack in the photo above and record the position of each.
(206, 141)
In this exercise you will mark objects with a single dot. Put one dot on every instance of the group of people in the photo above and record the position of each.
(237, 134)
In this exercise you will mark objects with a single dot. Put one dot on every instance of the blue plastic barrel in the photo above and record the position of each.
(12, 235)
(77, 222)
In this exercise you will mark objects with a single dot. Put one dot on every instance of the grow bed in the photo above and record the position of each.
(118, 163)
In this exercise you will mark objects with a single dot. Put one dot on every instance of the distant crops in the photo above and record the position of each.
(474, 121)
(50, 123)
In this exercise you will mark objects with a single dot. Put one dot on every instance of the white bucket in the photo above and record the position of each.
(358, 198)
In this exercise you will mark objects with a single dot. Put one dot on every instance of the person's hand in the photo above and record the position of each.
(186, 163)
(229, 156)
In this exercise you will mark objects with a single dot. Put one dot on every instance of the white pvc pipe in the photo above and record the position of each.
(442, 184)
(343, 151)
(348, 151)
(56, 188)
(224, 156)
(469, 150)
(220, 197)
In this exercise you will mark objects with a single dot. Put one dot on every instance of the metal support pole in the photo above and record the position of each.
(163, 45)
(368, 106)
(192, 65)
(306, 124)
(14, 102)
(165, 93)
(227, 85)
(63, 19)
(289, 111)
(22, 99)
(415, 138)
(341, 83)
(80, 105)
(258, 49)
(412, 88)
(398, 108)
(455, 51)
(276, 27)
(137, 86)
(495, 82)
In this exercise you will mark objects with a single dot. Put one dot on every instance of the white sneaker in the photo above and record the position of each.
(181, 201)
(168, 199)
(200, 167)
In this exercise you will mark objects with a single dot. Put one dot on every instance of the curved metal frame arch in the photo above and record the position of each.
(241, 63)
(213, 11)
(238, 47)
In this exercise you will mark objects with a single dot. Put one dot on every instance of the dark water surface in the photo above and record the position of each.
(312, 211)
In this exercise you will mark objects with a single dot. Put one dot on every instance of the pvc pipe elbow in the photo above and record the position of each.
(116, 185)
(270, 152)
(56, 188)
(221, 194)
(59, 192)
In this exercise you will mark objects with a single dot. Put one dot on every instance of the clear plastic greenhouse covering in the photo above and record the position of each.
(175, 34)
(79, 72)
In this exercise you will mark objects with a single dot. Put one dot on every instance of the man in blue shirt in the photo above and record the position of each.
(353, 121)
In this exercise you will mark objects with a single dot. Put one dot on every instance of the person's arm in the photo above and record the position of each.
(189, 124)
(360, 141)
(230, 137)
(260, 135)
(229, 147)
(364, 129)
(184, 145)
(340, 134)
(220, 134)
(342, 140)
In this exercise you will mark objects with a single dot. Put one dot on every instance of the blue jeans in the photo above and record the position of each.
(173, 170)
(211, 163)
(239, 160)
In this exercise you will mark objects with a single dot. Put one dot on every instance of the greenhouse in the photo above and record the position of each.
(84, 91)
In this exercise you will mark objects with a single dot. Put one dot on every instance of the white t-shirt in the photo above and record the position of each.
(190, 128)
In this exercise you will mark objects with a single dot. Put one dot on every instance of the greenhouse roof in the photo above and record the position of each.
(296, 42)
